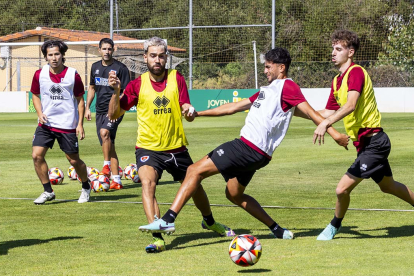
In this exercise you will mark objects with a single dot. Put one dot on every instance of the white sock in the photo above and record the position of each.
(107, 163)
(116, 178)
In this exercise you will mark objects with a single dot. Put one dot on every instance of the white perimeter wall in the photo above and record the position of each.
(390, 99)
(13, 101)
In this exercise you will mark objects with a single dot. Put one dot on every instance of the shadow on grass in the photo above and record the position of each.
(392, 232)
(180, 241)
(258, 270)
(6, 245)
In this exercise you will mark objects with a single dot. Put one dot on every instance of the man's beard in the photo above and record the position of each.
(157, 72)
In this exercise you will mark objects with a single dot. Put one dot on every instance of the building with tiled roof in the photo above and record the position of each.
(18, 63)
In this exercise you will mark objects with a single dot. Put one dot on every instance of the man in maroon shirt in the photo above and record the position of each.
(60, 114)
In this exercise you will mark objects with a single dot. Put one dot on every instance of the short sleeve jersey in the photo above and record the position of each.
(356, 81)
(131, 92)
(99, 78)
(78, 90)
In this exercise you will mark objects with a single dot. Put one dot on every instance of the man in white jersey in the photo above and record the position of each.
(267, 122)
(58, 99)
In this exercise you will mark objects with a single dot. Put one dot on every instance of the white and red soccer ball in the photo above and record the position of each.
(100, 184)
(92, 173)
(131, 173)
(72, 173)
(56, 176)
(245, 250)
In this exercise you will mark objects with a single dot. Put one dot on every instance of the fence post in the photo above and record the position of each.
(255, 63)
(18, 75)
(190, 46)
(111, 19)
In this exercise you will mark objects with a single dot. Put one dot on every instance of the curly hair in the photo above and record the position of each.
(347, 38)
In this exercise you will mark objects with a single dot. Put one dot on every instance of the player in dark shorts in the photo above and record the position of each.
(58, 99)
(161, 141)
(352, 100)
(106, 129)
(270, 112)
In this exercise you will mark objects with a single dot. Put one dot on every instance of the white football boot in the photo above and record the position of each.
(84, 197)
(45, 196)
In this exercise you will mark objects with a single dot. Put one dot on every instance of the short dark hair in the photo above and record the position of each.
(54, 43)
(106, 40)
(348, 38)
(279, 55)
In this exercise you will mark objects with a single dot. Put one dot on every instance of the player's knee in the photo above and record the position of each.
(105, 135)
(37, 158)
(386, 189)
(193, 170)
(340, 191)
(234, 198)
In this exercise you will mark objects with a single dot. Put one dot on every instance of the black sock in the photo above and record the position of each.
(47, 187)
(336, 222)
(209, 219)
(85, 185)
(169, 216)
(277, 230)
(157, 235)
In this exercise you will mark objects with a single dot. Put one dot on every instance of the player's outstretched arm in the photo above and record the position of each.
(114, 109)
(343, 111)
(304, 110)
(226, 109)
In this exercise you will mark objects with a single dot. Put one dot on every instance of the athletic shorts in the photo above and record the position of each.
(68, 142)
(102, 121)
(236, 159)
(175, 164)
(372, 160)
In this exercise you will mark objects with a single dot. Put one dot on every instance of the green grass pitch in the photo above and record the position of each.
(63, 237)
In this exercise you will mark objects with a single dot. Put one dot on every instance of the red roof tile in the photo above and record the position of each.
(75, 35)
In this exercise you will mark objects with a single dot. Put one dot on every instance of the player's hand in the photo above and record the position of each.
(342, 140)
(43, 119)
(114, 81)
(319, 134)
(88, 115)
(188, 112)
(114, 120)
(80, 132)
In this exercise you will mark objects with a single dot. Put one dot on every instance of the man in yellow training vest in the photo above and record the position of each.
(161, 98)
(352, 99)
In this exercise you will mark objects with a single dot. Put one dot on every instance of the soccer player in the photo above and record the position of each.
(58, 99)
(271, 110)
(161, 142)
(106, 129)
(352, 99)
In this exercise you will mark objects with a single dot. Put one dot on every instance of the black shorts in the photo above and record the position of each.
(236, 159)
(372, 160)
(102, 121)
(175, 164)
(68, 142)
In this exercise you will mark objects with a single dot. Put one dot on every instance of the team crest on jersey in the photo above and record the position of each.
(101, 81)
(144, 158)
(261, 95)
(56, 92)
(97, 72)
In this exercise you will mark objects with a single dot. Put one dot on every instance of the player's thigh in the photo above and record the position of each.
(148, 174)
(347, 183)
(204, 167)
(234, 189)
(39, 152)
(68, 142)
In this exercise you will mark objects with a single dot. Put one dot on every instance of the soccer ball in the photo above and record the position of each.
(72, 173)
(56, 176)
(129, 171)
(92, 173)
(120, 172)
(100, 184)
(245, 250)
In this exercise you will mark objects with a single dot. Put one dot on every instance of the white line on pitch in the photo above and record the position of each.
(221, 205)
